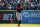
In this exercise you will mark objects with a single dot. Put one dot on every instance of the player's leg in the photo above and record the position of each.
(19, 23)
(13, 21)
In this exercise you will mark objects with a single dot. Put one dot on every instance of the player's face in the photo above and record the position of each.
(20, 3)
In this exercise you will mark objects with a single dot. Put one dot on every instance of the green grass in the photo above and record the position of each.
(21, 25)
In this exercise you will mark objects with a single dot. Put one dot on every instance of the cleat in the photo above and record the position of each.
(18, 25)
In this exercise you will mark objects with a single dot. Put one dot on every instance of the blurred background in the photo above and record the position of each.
(12, 4)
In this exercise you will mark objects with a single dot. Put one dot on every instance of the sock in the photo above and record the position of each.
(19, 22)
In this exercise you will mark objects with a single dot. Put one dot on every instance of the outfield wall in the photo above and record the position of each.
(28, 16)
